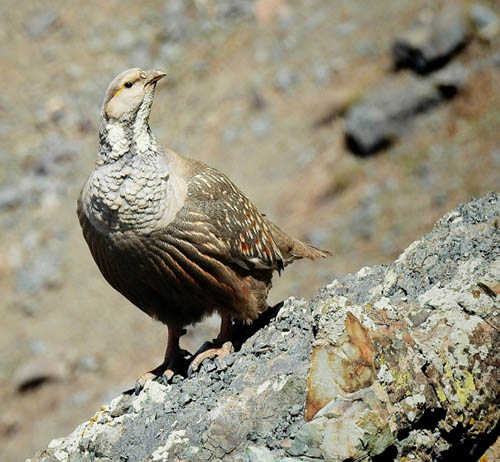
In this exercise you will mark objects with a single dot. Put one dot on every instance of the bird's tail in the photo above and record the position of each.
(302, 250)
(293, 249)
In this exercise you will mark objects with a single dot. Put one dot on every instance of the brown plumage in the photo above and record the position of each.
(173, 235)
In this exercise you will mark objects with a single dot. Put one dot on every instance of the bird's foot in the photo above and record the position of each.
(177, 365)
(208, 351)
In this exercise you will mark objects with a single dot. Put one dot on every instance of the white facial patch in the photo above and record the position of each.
(124, 100)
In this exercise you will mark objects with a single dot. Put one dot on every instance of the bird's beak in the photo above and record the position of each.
(153, 76)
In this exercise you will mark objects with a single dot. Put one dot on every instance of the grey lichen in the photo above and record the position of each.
(396, 361)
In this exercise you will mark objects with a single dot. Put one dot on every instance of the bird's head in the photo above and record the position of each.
(130, 95)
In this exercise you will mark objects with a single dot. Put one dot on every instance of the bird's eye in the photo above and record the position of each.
(128, 84)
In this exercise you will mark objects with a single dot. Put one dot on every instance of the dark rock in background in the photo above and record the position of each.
(301, 176)
(385, 111)
(485, 21)
(430, 46)
(38, 371)
(402, 365)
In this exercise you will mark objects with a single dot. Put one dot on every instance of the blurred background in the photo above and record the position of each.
(352, 125)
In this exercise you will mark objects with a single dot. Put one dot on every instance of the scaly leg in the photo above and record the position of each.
(220, 347)
(175, 361)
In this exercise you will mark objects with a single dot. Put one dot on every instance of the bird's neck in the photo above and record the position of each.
(120, 139)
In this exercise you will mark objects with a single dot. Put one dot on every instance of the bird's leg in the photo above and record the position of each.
(174, 362)
(220, 347)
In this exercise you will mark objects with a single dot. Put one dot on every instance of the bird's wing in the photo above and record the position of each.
(224, 224)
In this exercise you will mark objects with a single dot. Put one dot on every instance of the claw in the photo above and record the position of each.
(171, 366)
(167, 375)
(141, 381)
(138, 387)
(219, 353)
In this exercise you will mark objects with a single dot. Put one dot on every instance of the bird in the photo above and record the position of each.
(173, 235)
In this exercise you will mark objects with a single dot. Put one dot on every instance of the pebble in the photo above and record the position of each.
(88, 363)
(11, 196)
(451, 79)
(485, 20)
(286, 80)
(56, 153)
(322, 73)
(125, 41)
(170, 52)
(261, 125)
(230, 135)
(40, 272)
(41, 24)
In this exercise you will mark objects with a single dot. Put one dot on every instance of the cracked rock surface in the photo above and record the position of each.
(395, 361)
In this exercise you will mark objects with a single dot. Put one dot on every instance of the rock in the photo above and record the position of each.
(88, 363)
(230, 134)
(364, 216)
(48, 178)
(125, 41)
(485, 21)
(41, 24)
(32, 189)
(40, 267)
(177, 25)
(450, 80)
(396, 361)
(38, 371)
(385, 112)
(411, 342)
(56, 154)
(230, 10)
(141, 56)
(322, 73)
(267, 10)
(430, 46)
(260, 454)
(261, 125)
(378, 119)
(11, 196)
(286, 80)
(41, 271)
(493, 453)
(170, 52)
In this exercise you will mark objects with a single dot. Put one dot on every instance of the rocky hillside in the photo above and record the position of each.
(395, 361)
(353, 128)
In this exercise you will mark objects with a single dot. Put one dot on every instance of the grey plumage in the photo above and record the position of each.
(173, 235)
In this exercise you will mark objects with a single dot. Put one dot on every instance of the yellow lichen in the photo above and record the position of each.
(440, 394)
(465, 387)
(447, 370)
(400, 379)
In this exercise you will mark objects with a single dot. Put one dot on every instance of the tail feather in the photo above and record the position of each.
(293, 249)
(303, 250)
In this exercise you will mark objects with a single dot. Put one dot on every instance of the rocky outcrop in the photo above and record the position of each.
(428, 46)
(394, 361)
(386, 111)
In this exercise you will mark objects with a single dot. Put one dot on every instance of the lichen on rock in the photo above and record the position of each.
(395, 361)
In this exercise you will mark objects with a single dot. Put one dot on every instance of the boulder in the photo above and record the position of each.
(429, 46)
(395, 361)
(385, 111)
